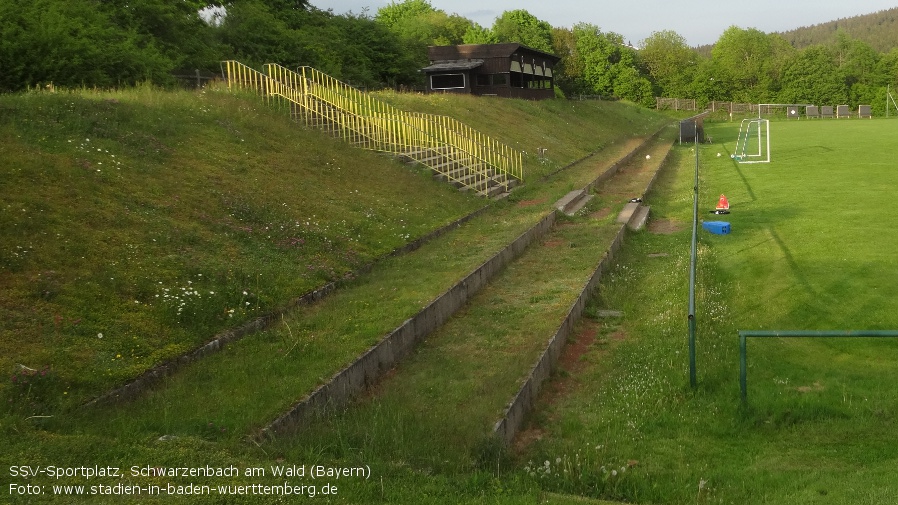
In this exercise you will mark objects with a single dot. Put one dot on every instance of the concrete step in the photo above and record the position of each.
(640, 217)
(573, 201)
(627, 214)
(579, 204)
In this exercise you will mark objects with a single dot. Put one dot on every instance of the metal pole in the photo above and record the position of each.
(818, 334)
(692, 373)
(743, 366)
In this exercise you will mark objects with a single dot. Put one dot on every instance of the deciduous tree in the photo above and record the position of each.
(812, 77)
(525, 28)
(670, 62)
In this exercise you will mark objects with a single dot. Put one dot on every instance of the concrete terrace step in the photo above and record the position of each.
(627, 213)
(634, 215)
(572, 202)
(639, 218)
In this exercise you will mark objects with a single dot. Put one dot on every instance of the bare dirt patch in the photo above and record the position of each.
(525, 437)
(665, 226)
(601, 213)
(570, 363)
(569, 360)
(530, 203)
(807, 389)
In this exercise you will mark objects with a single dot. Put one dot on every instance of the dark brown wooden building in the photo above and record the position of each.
(508, 70)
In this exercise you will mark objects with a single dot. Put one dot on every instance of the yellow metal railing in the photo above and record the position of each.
(443, 128)
(359, 118)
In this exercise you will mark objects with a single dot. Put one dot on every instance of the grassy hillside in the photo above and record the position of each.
(138, 224)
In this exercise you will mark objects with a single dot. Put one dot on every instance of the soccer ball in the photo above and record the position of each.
(718, 155)
(648, 156)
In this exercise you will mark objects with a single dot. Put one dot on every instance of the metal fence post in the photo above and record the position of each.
(693, 379)
(743, 366)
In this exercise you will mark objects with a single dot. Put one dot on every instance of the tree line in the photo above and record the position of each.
(109, 43)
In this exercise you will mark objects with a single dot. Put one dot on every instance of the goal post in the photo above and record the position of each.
(890, 98)
(753, 142)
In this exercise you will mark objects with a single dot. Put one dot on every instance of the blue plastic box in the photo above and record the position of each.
(717, 227)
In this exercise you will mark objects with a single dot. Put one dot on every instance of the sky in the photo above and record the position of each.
(700, 22)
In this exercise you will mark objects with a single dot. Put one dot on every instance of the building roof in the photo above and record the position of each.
(442, 66)
(481, 51)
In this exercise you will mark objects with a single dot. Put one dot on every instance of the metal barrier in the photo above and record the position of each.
(358, 118)
(745, 335)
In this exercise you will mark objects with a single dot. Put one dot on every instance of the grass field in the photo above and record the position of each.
(810, 248)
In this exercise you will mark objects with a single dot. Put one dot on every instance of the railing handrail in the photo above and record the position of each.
(446, 123)
(386, 127)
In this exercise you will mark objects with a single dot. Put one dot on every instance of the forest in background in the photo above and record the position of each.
(880, 30)
(114, 43)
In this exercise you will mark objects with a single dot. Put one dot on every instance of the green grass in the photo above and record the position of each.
(192, 194)
(808, 250)
(476, 362)
(136, 225)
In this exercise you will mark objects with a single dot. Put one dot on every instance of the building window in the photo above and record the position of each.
(492, 79)
(447, 81)
(540, 83)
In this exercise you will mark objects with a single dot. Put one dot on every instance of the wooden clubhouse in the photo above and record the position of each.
(508, 70)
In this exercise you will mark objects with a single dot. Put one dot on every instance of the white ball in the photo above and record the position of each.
(718, 155)
(648, 156)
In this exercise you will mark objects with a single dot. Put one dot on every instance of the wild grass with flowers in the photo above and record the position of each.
(137, 224)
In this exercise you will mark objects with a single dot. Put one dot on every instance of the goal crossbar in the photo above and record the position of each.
(744, 335)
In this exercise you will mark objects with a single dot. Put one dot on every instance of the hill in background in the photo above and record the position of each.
(879, 30)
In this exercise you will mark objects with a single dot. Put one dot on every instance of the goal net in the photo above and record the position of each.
(753, 143)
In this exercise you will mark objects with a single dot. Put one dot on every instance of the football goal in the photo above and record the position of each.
(753, 143)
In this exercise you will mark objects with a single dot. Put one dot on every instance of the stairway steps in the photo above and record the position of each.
(448, 162)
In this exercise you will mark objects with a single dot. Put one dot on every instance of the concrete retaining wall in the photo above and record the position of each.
(507, 427)
(377, 360)
(515, 412)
